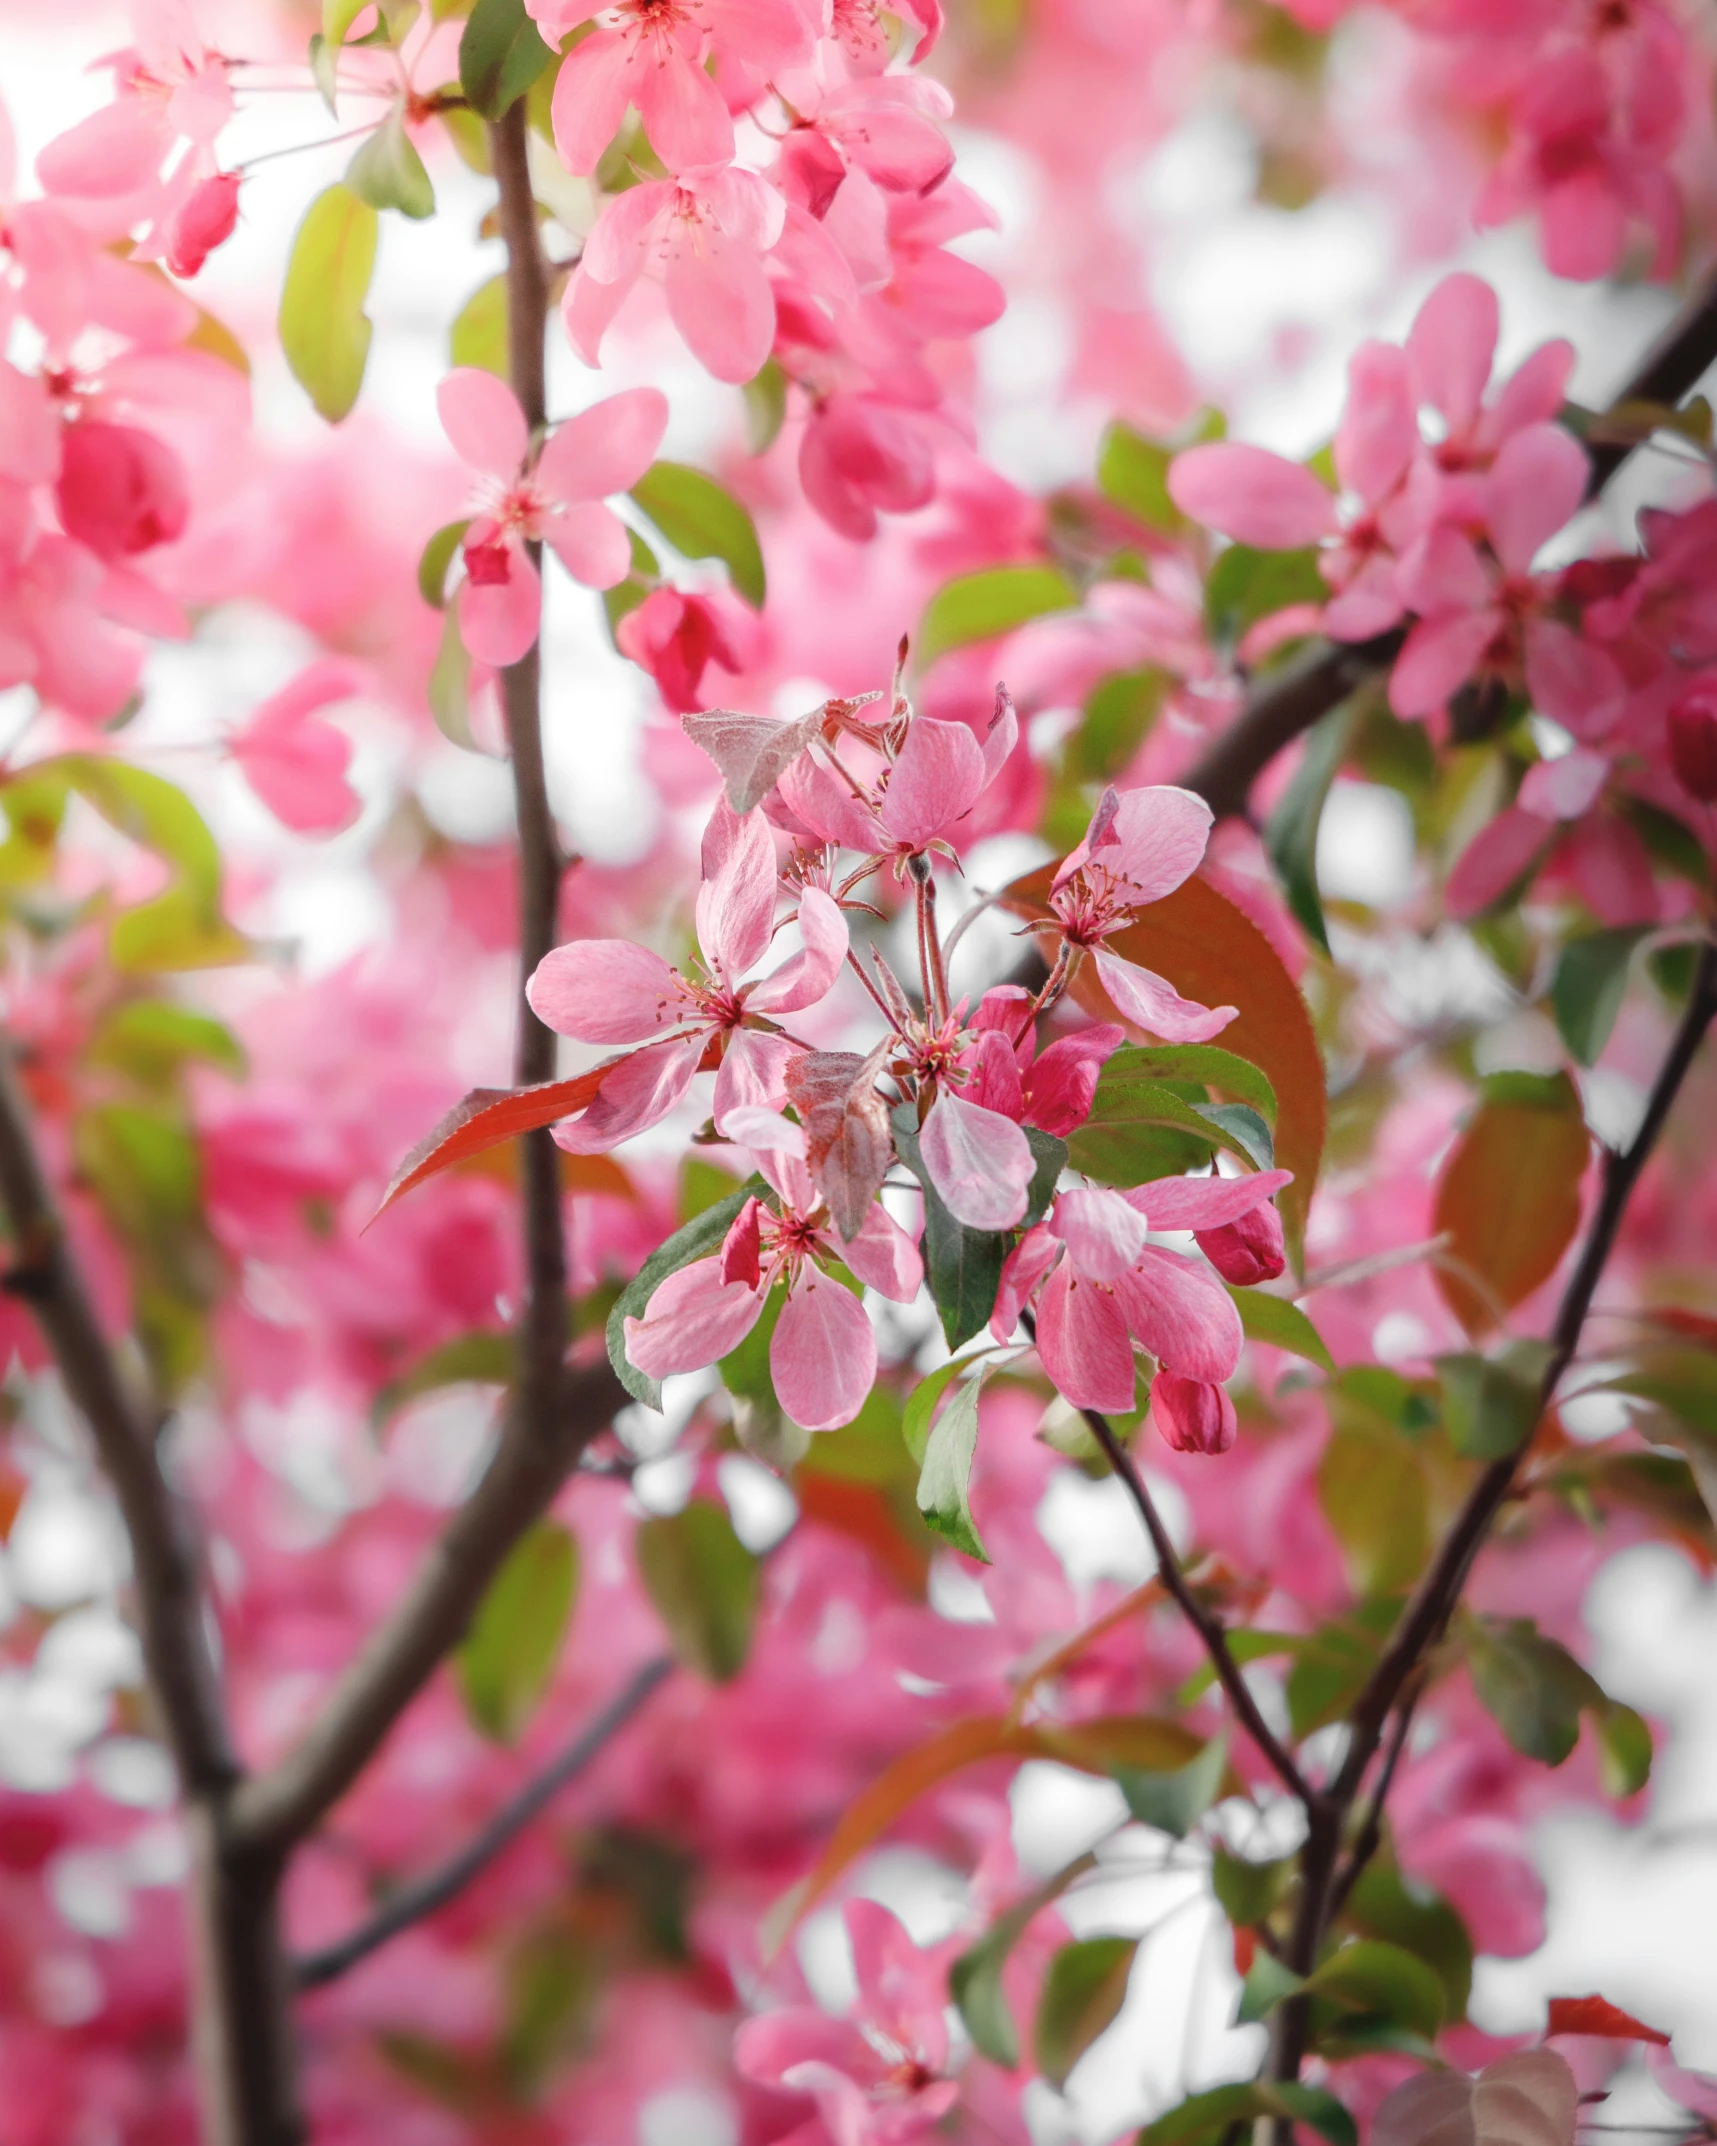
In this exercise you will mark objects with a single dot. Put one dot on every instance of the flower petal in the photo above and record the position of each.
(1252, 495)
(590, 541)
(736, 903)
(1379, 432)
(693, 1318)
(1082, 1341)
(684, 114)
(809, 975)
(1204, 1202)
(640, 1091)
(604, 449)
(1536, 485)
(482, 418)
(498, 620)
(1152, 1004)
(823, 1355)
(1450, 345)
(935, 781)
(1182, 1314)
(607, 991)
(721, 301)
(884, 1257)
(1104, 1235)
(980, 1162)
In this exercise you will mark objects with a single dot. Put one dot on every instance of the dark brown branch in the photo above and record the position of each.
(1290, 701)
(413, 1903)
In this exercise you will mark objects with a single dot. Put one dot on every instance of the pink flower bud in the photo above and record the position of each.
(1693, 740)
(1249, 1250)
(1193, 1417)
(201, 222)
(121, 490)
(675, 636)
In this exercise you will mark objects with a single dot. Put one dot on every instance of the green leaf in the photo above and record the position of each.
(975, 1978)
(1132, 471)
(506, 1659)
(449, 690)
(1291, 833)
(1211, 2115)
(697, 1239)
(387, 172)
(1508, 1198)
(629, 594)
(479, 333)
(1050, 1156)
(1082, 1993)
(1590, 983)
(1624, 1749)
(484, 1358)
(978, 607)
(1245, 1127)
(703, 1582)
(1531, 1687)
(143, 1166)
(1382, 1980)
(1385, 1904)
(1173, 1802)
(1492, 1404)
(324, 331)
(1207, 1063)
(1332, 1664)
(151, 1038)
(1375, 1490)
(325, 71)
(702, 520)
(1246, 585)
(963, 1266)
(1281, 1324)
(945, 1479)
(1120, 711)
(921, 1404)
(1246, 1892)
(1144, 1129)
(765, 407)
(434, 560)
(338, 17)
(500, 56)
(1268, 1983)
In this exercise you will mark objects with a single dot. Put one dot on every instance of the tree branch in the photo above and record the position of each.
(1290, 701)
(412, 1903)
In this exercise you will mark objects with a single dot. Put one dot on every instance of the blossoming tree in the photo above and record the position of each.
(493, 1738)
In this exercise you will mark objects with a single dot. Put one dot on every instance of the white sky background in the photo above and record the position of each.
(1632, 1912)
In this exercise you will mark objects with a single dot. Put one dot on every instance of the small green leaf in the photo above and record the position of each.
(479, 333)
(697, 1239)
(921, 1404)
(1212, 2115)
(338, 17)
(151, 1038)
(1624, 1749)
(1246, 586)
(1143, 1129)
(1385, 1904)
(978, 607)
(1291, 833)
(1590, 983)
(1531, 1687)
(1174, 1802)
(1248, 1893)
(387, 172)
(1491, 1405)
(765, 407)
(1281, 1324)
(703, 1582)
(1120, 711)
(1244, 1126)
(325, 71)
(500, 56)
(1375, 1490)
(434, 560)
(1382, 1980)
(1050, 1156)
(449, 690)
(945, 1479)
(627, 595)
(1207, 1063)
(975, 1978)
(702, 520)
(506, 1659)
(324, 331)
(963, 1266)
(1268, 1983)
(1132, 471)
(1082, 1993)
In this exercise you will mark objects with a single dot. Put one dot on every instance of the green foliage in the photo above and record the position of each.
(1245, 586)
(627, 595)
(500, 56)
(1282, 1324)
(1082, 1993)
(703, 1582)
(1385, 1904)
(975, 1978)
(1587, 990)
(449, 690)
(1132, 472)
(387, 172)
(1205, 2119)
(436, 558)
(1146, 1120)
(765, 407)
(324, 331)
(1491, 1404)
(945, 1480)
(1536, 1692)
(505, 1661)
(152, 1040)
(981, 606)
(1120, 712)
(1374, 1487)
(702, 520)
(1381, 1983)
(1249, 1893)
(1173, 1800)
(478, 335)
(1291, 834)
(696, 1239)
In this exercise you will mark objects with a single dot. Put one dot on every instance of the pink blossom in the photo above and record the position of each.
(121, 490)
(205, 219)
(170, 87)
(557, 500)
(295, 762)
(1192, 1415)
(931, 776)
(676, 634)
(1693, 740)
(610, 991)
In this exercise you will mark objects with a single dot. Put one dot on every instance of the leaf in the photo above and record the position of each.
(978, 607)
(1245, 586)
(1249, 1892)
(1529, 2099)
(324, 331)
(1624, 1749)
(1142, 1129)
(505, 1661)
(1082, 1994)
(1269, 1982)
(1491, 1405)
(963, 1266)
(484, 1358)
(1207, 1063)
(753, 752)
(1050, 1155)
(765, 407)
(1281, 1325)
(1590, 983)
(434, 560)
(151, 1038)
(1208, 950)
(1291, 833)
(1244, 1127)
(1382, 1980)
(1211, 2115)
(478, 335)
(1132, 471)
(1531, 1686)
(449, 691)
(500, 56)
(921, 1404)
(944, 1481)
(696, 1239)
(702, 520)
(483, 1119)
(1596, 2015)
(1120, 710)
(975, 1978)
(703, 1582)
(325, 71)
(1385, 1904)
(338, 17)
(1332, 1664)
(1508, 1198)
(387, 172)
(1174, 1802)
(1375, 1490)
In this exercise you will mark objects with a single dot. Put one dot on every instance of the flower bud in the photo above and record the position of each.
(201, 222)
(675, 635)
(1249, 1250)
(1693, 740)
(121, 490)
(1193, 1417)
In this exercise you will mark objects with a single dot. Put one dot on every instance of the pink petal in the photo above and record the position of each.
(1103, 1234)
(1450, 345)
(721, 301)
(684, 114)
(1498, 855)
(1059, 1088)
(884, 1257)
(823, 1356)
(736, 903)
(1082, 1341)
(1611, 870)
(1182, 1314)
(1251, 495)
(1204, 1202)
(809, 975)
(1150, 1003)
(693, 1318)
(980, 1162)
(640, 1091)
(587, 310)
(1536, 485)
(607, 991)
(770, 34)
(297, 766)
(481, 416)
(113, 151)
(1585, 227)
(822, 802)
(1022, 1270)
(1443, 572)
(1572, 681)
(30, 430)
(1160, 835)
(598, 79)
(604, 449)
(753, 1077)
(619, 245)
(590, 541)
(1533, 393)
(498, 620)
(1440, 655)
(1192, 1415)
(766, 1131)
(767, 2049)
(1379, 432)
(993, 1078)
(936, 781)
(1565, 788)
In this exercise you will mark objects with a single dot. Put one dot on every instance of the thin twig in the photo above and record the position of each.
(413, 1903)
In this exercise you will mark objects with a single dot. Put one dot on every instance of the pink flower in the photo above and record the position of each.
(879, 2077)
(1052, 1090)
(705, 233)
(205, 219)
(675, 635)
(927, 784)
(610, 991)
(295, 762)
(1693, 739)
(558, 500)
(1248, 1250)
(651, 53)
(121, 490)
(169, 88)
(1192, 1416)
(822, 1355)
(1141, 845)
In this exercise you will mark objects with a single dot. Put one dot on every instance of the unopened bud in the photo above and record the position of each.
(121, 490)
(201, 222)
(1247, 1251)
(1693, 740)
(1193, 1417)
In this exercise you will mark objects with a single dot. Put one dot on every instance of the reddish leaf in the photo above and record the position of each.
(1596, 2015)
(486, 1117)
(848, 1145)
(1509, 1196)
